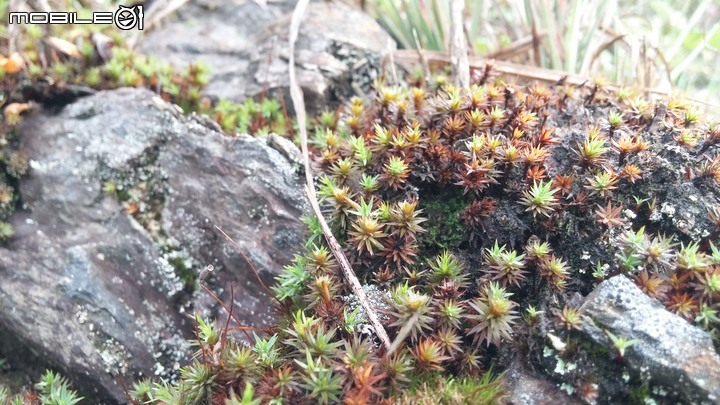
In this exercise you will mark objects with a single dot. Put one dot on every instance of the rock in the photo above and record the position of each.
(339, 49)
(670, 352)
(94, 292)
(528, 388)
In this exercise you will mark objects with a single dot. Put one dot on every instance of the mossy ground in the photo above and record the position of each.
(511, 180)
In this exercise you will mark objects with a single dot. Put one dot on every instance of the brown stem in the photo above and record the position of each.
(257, 275)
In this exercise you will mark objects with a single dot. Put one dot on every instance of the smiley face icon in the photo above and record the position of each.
(127, 18)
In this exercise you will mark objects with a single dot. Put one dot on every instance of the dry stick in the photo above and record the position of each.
(458, 46)
(14, 31)
(299, 104)
(435, 59)
(227, 322)
(156, 12)
(521, 46)
(240, 325)
(536, 38)
(602, 48)
(393, 71)
(421, 55)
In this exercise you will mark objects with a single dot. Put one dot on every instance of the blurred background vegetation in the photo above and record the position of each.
(664, 45)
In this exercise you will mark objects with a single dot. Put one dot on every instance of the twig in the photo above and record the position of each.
(458, 46)
(421, 55)
(157, 11)
(602, 48)
(299, 104)
(14, 31)
(227, 321)
(222, 304)
(520, 46)
(436, 59)
(257, 275)
(536, 38)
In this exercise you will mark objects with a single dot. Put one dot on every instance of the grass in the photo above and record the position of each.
(665, 45)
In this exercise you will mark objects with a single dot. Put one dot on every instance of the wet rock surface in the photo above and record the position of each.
(339, 49)
(670, 352)
(96, 292)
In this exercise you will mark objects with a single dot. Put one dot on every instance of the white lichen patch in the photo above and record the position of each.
(167, 347)
(655, 216)
(377, 300)
(114, 356)
(667, 209)
(81, 314)
(169, 282)
(567, 388)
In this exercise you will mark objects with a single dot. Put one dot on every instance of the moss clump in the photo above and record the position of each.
(443, 212)
(51, 389)
(439, 389)
(467, 210)
(252, 117)
(13, 165)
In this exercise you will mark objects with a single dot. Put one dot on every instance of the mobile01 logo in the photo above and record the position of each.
(125, 18)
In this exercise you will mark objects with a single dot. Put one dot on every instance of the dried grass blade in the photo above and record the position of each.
(299, 104)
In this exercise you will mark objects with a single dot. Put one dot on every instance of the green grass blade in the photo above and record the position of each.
(572, 37)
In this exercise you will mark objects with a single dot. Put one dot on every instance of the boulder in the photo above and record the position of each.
(119, 209)
(670, 352)
(338, 54)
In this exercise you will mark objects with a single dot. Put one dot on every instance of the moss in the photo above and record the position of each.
(183, 270)
(493, 149)
(444, 228)
(639, 395)
(436, 388)
(252, 117)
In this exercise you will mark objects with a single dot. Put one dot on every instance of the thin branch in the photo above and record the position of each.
(458, 46)
(602, 48)
(222, 304)
(438, 59)
(421, 55)
(257, 275)
(299, 104)
(13, 31)
(521, 46)
(536, 38)
(227, 321)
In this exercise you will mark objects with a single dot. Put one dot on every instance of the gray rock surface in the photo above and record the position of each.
(91, 290)
(528, 388)
(338, 52)
(670, 352)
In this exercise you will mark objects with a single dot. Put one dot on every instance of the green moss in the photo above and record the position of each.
(50, 389)
(444, 229)
(593, 349)
(436, 388)
(252, 117)
(183, 271)
(639, 395)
